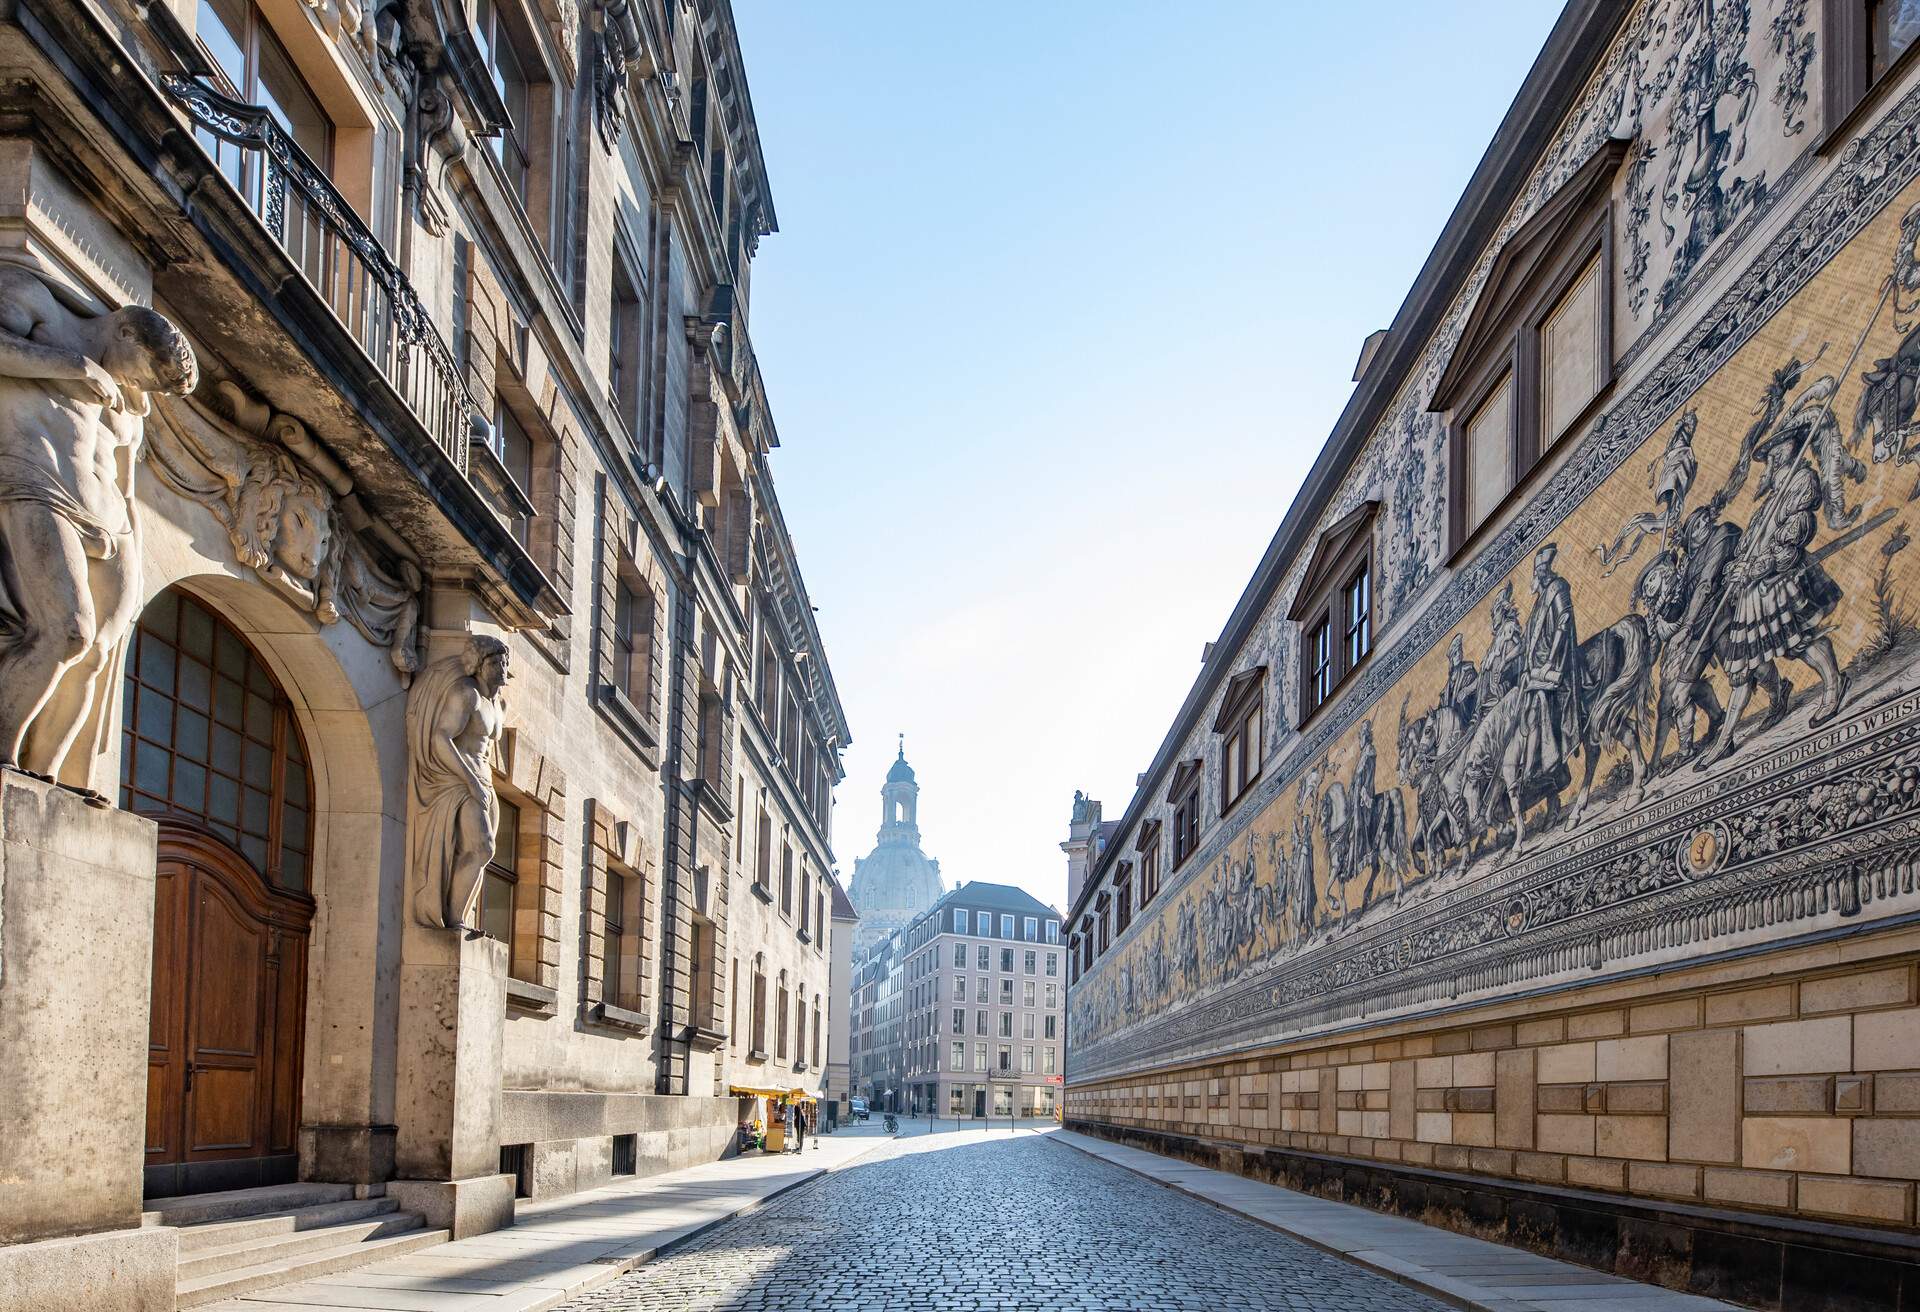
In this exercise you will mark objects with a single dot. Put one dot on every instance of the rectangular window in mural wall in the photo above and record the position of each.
(1674, 718)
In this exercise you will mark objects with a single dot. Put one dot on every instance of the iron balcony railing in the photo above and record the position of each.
(346, 265)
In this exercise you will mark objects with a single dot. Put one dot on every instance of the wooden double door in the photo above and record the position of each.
(227, 1022)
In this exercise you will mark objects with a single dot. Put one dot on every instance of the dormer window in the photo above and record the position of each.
(1334, 609)
(1537, 351)
(1242, 744)
(1184, 796)
(1148, 845)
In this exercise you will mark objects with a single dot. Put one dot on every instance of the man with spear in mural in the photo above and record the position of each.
(1778, 593)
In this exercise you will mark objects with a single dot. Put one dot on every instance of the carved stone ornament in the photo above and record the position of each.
(74, 396)
(455, 711)
(291, 515)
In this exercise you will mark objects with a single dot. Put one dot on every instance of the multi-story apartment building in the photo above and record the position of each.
(1535, 850)
(983, 985)
(877, 1054)
(449, 384)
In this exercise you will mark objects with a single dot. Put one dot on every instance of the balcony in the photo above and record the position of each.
(340, 258)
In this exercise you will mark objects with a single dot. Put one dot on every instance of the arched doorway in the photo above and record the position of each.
(210, 749)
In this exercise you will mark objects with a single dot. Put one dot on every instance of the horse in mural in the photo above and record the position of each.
(1471, 778)
(1361, 831)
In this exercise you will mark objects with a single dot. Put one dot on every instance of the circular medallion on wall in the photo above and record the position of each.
(1705, 851)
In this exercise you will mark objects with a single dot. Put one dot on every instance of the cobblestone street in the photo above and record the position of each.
(977, 1220)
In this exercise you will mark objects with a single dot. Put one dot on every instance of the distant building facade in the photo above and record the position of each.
(896, 881)
(836, 1085)
(980, 979)
(1087, 837)
(1546, 817)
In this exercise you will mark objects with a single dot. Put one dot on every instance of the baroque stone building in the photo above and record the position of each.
(896, 881)
(1536, 848)
(416, 569)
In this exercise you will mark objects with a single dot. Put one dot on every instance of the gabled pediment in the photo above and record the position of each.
(1328, 553)
(1185, 775)
(1241, 690)
(1149, 835)
(1536, 243)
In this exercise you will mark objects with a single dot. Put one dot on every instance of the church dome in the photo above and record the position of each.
(896, 881)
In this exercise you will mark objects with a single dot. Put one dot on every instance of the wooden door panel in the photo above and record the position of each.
(228, 968)
(229, 988)
(224, 1104)
(166, 1057)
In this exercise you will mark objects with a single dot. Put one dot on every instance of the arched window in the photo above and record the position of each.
(208, 737)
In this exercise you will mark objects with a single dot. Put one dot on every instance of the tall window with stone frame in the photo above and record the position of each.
(713, 737)
(1123, 897)
(700, 968)
(500, 886)
(786, 879)
(513, 63)
(780, 1017)
(515, 448)
(635, 641)
(800, 1029)
(763, 854)
(620, 944)
(627, 348)
(758, 1049)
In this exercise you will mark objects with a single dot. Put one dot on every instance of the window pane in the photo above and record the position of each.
(1895, 24)
(285, 96)
(496, 908)
(222, 29)
(1570, 354)
(1489, 453)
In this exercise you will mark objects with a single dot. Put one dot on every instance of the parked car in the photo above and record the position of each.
(857, 1109)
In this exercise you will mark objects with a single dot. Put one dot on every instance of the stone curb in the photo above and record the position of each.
(1398, 1277)
(621, 1266)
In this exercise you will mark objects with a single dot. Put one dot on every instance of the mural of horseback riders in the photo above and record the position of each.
(1732, 633)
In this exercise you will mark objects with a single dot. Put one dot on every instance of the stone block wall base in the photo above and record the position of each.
(76, 973)
(346, 1154)
(569, 1135)
(464, 1207)
(115, 1271)
(1752, 1260)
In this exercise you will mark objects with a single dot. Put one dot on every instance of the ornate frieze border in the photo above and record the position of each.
(1870, 174)
(1832, 830)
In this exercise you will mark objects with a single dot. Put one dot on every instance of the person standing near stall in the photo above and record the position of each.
(799, 1127)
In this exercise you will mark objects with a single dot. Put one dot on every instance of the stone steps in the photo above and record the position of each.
(196, 1209)
(308, 1264)
(247, 1240)
(223, 1234)
(288, 1245)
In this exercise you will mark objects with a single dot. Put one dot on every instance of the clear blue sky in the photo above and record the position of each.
(1066, 297)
